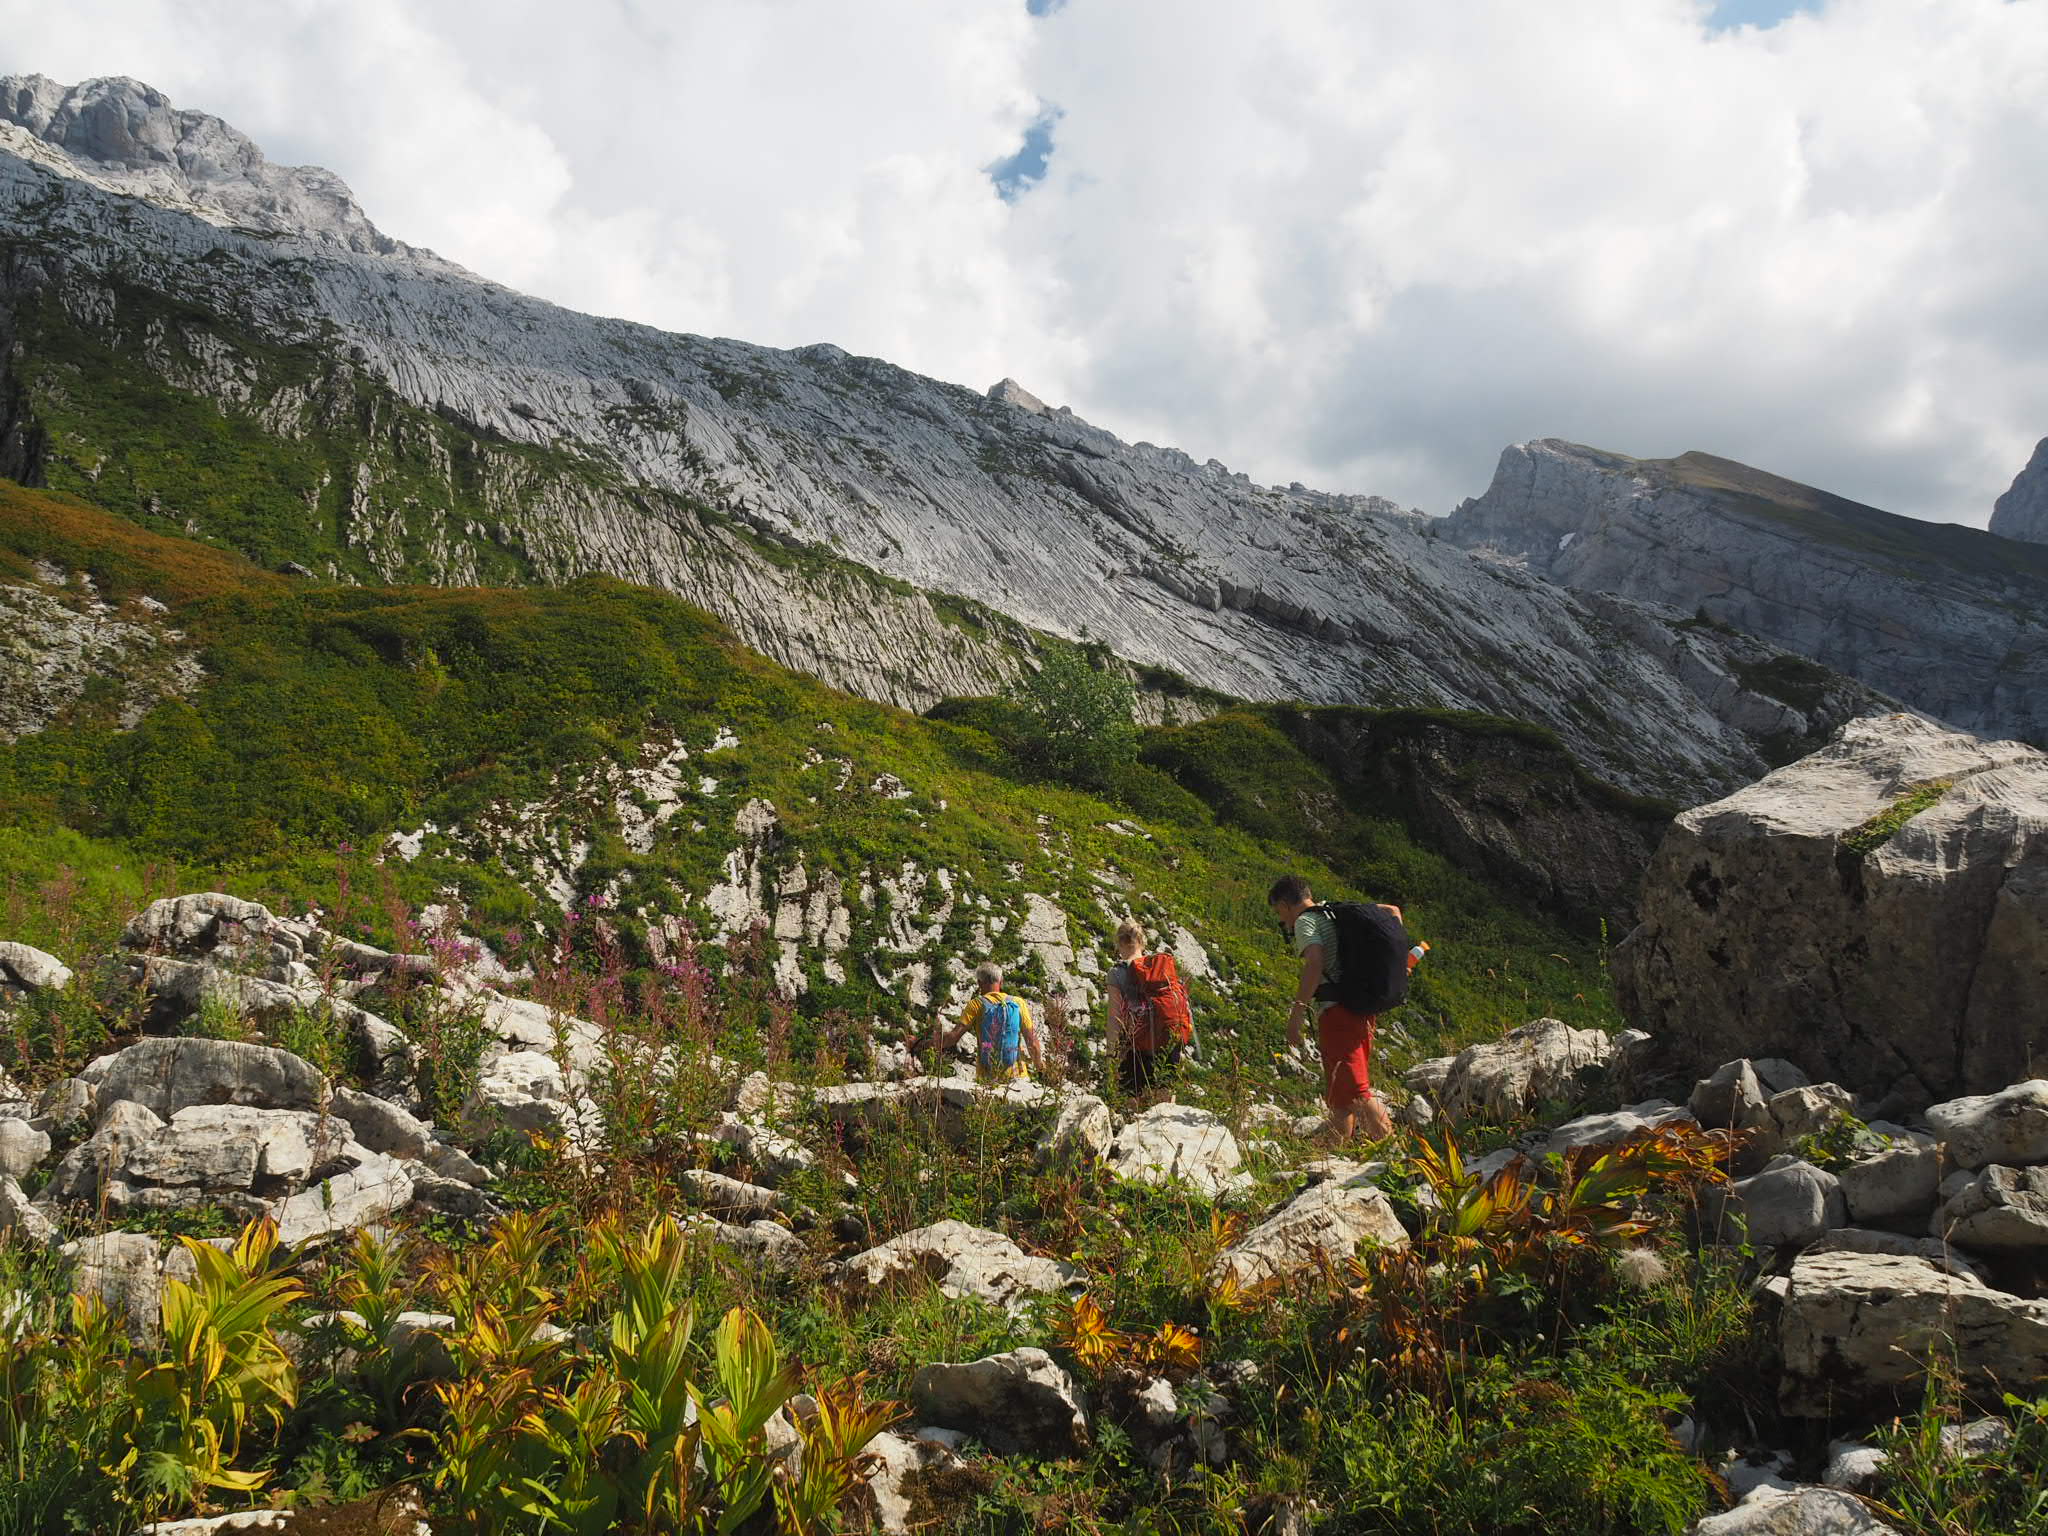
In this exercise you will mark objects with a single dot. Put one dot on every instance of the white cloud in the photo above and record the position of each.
(1363, 246)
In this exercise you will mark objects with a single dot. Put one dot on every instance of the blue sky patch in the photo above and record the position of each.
(1014, 175)
(1750, 13)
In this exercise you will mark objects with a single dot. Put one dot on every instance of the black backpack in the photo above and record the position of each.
(1372, 958)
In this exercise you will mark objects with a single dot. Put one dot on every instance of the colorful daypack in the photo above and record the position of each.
(1156, 1011)
(1001, 1030)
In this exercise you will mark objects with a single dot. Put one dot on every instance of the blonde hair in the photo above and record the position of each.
(1130, 938)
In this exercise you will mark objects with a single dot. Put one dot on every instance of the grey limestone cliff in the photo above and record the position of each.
(887, 532)
(1950, 620)
(2022, 512)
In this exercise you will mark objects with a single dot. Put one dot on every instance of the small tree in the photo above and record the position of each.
(1077, 713)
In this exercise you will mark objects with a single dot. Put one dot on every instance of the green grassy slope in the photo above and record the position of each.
(333, 716)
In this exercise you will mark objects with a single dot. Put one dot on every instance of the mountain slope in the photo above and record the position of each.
(196, 339)
(1951, 620)
(532, 755)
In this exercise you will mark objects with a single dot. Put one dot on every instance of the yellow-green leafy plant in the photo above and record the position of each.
(222, 1368)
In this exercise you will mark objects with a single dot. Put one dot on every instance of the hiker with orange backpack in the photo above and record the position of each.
(1150, 1022)
(1002, 1027)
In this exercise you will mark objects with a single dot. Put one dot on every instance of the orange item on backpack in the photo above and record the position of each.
(1159, 1015)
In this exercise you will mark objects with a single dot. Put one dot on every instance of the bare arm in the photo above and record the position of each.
(1305, 992)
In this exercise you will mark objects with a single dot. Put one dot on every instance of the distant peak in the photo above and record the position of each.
(1010, 392)
(127, 137)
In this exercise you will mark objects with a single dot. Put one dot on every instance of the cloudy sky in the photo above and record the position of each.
(1359, 243)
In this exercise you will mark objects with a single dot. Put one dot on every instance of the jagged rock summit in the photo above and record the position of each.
(2022, 512)
(1949, 620)
(885, 532)
(128, 138)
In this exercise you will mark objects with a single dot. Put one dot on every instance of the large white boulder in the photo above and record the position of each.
(1857, 1329)
(25, 969)
(376, 1189)
(1173, 1144)
(962, 1260)
(1882, 902)
(1323, 1225)
(2009, 1126)
(168, 1074)
(1796, 1512)
(1539, 1061)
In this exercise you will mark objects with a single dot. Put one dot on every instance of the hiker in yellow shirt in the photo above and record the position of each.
(1002, 1024)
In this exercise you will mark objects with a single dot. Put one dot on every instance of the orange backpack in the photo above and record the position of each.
(1156, 1012)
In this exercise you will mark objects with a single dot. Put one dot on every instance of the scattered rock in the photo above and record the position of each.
(1788, 1117)
(169, 1074)
(1853, 1466)
(2008, 1127)
(123, 1269)
(381, 1125)
(25, 969)
(897, 1459)
(1797, 1512)
(1177, 1144)
(22, 1148)
(19, 1215)
(1894, 1186)
(962, 1260)
(1728, 1097)
(1857, 1329)
(1899, 1245)
(1538, 1061)
(1019, 1401)
(375, 1190)
(1616, 1125)
(1996, 1210)
(1322, 1225)
(731, 1197)
(1080, 1134)
(123, 1126)
(1789, 1204)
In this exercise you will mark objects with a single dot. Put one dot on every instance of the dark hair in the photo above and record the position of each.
(1287, 890)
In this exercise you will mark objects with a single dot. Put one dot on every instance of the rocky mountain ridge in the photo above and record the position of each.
(2022, 512)
(1949, 620)
(388, 415)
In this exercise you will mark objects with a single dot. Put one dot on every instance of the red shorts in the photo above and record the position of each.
(1345, 1040)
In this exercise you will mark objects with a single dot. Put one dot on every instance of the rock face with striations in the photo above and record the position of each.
(482, 437)
(1877, 912)
(2022, 512)
(1950, 620)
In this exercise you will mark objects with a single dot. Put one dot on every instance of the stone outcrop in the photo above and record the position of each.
(2022, 512)
(1018, 1401)
(1173, 1144)
(1857, 1328)
(1537, 1061)
(1498, 800)
(699, 465)
(1323, 1225)
(2007, 1126)
(1946, 619)
(1879, 909)
(962, 1260)
(1777, 1511)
